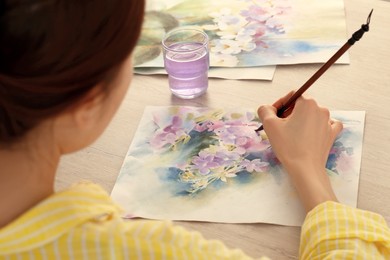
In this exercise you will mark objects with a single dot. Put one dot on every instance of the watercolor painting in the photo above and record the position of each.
(203, 164)
(247, 33)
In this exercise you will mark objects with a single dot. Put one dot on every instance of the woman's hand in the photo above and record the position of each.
(302, 141)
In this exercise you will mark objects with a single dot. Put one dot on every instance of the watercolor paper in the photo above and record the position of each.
(203, 164)
(247, 33)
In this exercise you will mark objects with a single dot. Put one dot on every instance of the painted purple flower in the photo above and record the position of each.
(169, 134)
(226, 157)
(204, 162)
(255, 165)
(162, 139)
(226, 135)
(175, 125)
(242, 140)
(240, 135)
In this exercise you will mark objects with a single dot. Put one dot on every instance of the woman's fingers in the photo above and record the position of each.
(337, 127)
(280, 102)
(266, 112)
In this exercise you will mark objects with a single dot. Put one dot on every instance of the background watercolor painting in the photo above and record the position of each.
(245, 33)
(188, 163)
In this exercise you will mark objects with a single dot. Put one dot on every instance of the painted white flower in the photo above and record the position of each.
(246, 32)
(227, 23)
(230, 27)
(224, 59)
(222, 12)
(226, 46)
(228, 34)
(245, 39)
(248, 46)
(223, 174)
(225, 18)
(210, 27)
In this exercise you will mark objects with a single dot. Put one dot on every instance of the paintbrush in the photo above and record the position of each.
(355, 37)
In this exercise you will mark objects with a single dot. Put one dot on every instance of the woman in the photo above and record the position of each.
(64, 69)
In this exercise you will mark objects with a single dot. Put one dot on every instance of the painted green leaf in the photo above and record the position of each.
(192, 12)
(156, 24)
(145, 53)
(167, 21)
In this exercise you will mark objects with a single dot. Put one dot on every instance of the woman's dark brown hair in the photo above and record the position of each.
(52, 52)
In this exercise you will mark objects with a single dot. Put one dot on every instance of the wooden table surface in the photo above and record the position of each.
(362, 85)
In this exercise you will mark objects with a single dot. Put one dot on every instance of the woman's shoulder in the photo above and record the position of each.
(58, 215)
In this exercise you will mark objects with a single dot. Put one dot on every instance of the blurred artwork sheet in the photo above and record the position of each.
(259, 73)
(203, 164)
(247, 33)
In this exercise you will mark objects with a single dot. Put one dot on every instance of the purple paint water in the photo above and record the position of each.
(187, 71)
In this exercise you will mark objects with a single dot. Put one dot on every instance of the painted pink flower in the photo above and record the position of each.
(216, 125)
(260, 31)
(208, 125)
(256, 13)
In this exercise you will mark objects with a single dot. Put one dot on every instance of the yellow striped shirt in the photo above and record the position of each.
(83, 223)
(335, 231)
